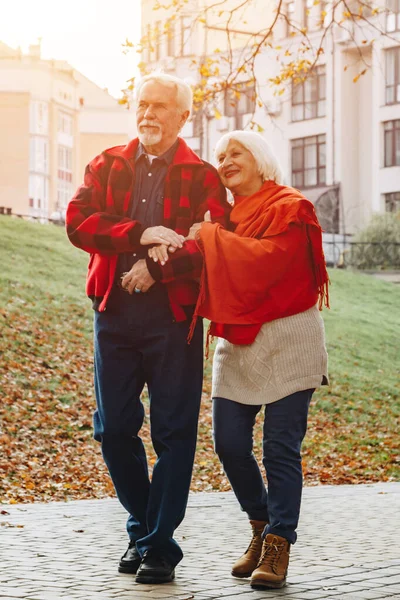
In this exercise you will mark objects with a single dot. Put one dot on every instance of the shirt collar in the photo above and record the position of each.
(167, 157)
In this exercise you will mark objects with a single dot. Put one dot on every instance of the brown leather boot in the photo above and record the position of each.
(273, 565)
(248, 562)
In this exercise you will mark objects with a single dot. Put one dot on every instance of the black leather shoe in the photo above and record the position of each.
(130, 561)
(154, 569)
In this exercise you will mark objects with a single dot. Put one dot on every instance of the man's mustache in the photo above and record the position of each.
(149, 124)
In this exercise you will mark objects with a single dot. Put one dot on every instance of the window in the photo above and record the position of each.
(322, 15)
(290, 9)
(158, 39)
(65, 191)
(38, 154)
(171, 39)
(148, 43)
(64, 123)
(240, 102)
(64, 163)
(393, 75)
(197, 120)
(308, 97)
(314, 13)
(186, 33)
(392, 202)
(307, 7)
(392, 143)
(38, 193)
(64, 181)
(39, 118)
(309, 161)
(392, 15)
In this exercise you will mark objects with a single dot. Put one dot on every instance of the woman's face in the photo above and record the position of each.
(238, 170)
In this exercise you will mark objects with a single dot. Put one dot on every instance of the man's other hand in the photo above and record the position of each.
(138, 278)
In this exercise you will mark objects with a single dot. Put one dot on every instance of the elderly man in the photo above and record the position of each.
(148, 192)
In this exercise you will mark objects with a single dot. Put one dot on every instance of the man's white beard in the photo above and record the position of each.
(149, 139)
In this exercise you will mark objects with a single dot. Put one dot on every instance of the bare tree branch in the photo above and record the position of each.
(219, 71)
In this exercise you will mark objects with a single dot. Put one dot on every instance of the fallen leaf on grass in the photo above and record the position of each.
(48, 453)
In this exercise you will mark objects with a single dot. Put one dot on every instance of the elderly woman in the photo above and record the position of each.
(263, 283)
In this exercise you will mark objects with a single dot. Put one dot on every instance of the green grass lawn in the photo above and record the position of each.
(46, 379)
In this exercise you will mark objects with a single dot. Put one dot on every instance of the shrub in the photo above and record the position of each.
(378, 245)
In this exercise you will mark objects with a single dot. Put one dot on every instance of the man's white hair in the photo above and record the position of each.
(184, 94)
(268, 165)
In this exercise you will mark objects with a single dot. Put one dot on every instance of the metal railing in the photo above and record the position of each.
(362, 255)
(339, 250)
(374, 255)
(36, 218)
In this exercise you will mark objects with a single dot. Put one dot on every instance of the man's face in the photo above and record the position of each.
(158, 117)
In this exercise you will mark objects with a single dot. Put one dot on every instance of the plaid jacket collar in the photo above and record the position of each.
(183, 156)
(166, 158)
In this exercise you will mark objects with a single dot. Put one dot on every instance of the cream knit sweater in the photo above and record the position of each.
(287, 356)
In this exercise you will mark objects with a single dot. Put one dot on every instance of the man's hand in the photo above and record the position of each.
(138, 278)
(161, 235)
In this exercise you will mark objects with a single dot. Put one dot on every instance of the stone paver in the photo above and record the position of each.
(348, 548)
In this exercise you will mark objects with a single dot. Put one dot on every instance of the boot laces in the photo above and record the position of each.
(271, 552)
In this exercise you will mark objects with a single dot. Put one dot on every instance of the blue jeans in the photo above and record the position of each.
(285, 425)
(137, 341)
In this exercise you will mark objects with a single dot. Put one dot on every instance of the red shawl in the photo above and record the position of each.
(271, 266)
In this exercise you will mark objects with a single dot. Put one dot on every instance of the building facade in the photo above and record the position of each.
(53, 120)
(336, 134)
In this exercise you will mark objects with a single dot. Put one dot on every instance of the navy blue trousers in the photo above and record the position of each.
(137, 341)
(285, 425)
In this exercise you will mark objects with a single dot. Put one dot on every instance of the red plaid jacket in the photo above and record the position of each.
(97, 220)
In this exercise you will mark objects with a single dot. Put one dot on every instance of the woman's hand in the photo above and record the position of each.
(161, 235)
(193, 230)
(160, 253)
(196, 226)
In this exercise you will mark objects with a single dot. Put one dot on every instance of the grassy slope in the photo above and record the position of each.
(46, 378)
(356, 419)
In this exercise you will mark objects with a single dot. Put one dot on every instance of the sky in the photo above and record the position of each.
(87, 33)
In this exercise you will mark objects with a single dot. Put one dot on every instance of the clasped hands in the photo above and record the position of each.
(138, 279)
(159, 253)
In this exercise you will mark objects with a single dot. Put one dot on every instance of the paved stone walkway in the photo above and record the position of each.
(390, 276)
(348, 548)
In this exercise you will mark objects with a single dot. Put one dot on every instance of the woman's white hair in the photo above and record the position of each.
(268, 165)
(184, 94)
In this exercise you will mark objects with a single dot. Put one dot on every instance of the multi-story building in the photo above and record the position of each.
(336, 134)
(53, 120)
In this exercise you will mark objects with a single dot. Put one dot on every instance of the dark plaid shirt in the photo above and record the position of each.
(147, 206)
